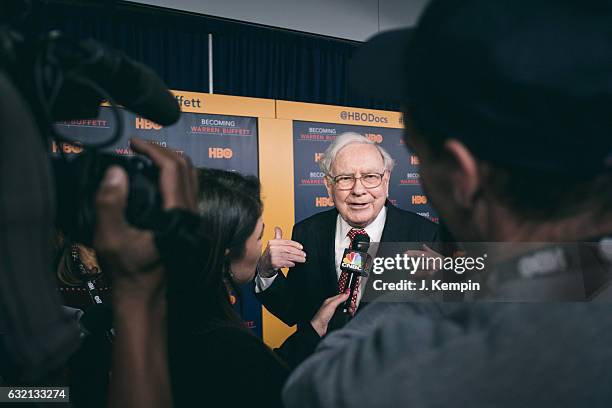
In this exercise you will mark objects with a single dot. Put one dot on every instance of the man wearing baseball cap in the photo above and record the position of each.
(509, 106)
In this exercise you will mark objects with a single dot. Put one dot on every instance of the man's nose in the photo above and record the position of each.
(358, 188)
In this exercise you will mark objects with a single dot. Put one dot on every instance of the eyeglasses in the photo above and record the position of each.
(347, 182)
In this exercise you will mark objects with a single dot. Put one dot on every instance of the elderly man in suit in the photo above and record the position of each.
(357, 173)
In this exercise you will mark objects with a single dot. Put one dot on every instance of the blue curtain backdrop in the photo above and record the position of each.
(249, 60)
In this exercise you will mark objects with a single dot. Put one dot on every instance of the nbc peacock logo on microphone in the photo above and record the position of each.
(352, 260)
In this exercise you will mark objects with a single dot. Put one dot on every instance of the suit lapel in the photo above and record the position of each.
(327, 253)
(398, 230)
(392, 229)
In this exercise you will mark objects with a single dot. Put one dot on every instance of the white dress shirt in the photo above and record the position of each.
(342, 241)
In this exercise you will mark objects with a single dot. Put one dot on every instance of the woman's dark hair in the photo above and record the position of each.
(230, 206)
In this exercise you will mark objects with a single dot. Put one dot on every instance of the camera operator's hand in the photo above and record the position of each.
(131, 253)
(127, 253)
(140, 367)
(178, 179)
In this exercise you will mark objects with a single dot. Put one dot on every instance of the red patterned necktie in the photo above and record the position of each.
(342, 282)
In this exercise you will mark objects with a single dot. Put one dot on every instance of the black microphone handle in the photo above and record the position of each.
(352, 284)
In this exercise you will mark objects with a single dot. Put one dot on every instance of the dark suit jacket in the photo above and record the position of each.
(297, 297)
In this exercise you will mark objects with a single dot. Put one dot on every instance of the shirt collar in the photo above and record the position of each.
(374, 229)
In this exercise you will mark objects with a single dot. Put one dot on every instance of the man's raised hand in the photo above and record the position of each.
(280, 253)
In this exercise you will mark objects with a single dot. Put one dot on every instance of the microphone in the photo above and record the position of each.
(356, 261)
(130, 84)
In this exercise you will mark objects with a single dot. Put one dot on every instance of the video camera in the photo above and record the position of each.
(62, 79)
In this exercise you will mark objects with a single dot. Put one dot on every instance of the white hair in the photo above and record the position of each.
(325, 163)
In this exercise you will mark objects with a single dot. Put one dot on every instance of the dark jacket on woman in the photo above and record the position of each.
(215, 360)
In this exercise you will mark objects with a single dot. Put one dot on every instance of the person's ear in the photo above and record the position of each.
(385, 182)
(465, 179)
(329, 185)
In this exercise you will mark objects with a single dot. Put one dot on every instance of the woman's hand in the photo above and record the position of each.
(320, 321)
